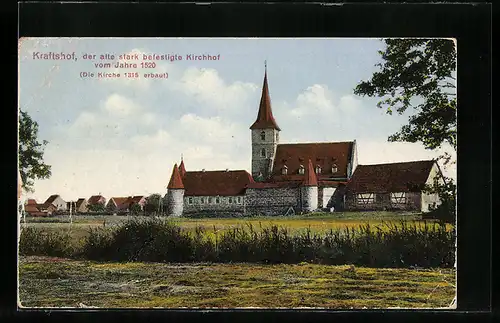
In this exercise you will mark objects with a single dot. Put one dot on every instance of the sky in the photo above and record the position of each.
(122, 136)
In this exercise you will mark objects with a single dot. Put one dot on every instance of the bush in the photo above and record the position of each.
(393, 245)
(39, 242)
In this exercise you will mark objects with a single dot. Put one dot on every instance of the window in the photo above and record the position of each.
(238, 200)
(190, 200)
(210, 200)
(301, 170)
(230, 200)
(202, 200)
(398, 198)
(263, 152)
(365, 198)
(217, 200)
(277, 136)
(318, 169)
(284, 170)
(263, 135)
(334, 168)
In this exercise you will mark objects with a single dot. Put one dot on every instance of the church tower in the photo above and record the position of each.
(265, 137)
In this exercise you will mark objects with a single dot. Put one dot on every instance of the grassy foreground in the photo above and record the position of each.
(58, 282)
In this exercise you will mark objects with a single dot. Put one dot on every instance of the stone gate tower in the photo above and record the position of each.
(265, 137)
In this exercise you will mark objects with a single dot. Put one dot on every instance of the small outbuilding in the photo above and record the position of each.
(395, 186)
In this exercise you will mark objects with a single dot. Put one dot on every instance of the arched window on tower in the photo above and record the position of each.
(334, 168)
(318, 169)
(263, 135)
(284, 170)
(301, 170)
(263, 152)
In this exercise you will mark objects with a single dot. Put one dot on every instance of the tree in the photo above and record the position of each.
(446, 210)
(419, 73)
(418, 70)
(152, 205)
(135, 209)
(31, 164)
(96, 208)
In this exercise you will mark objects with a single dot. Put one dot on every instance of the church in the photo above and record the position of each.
(297, 178)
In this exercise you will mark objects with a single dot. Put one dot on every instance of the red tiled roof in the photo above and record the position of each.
(395, 177)
(324, 155)
(51, 199)
(310, 177)
(182, 169)
(137, 199)
(121, 202)
(175, 179)
(94, 199)
(31, 202)
(265, 118)
(291, 184)
(213, 183)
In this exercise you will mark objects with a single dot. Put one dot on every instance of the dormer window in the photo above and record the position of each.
(263, 152)
(263, 135)
(334, 168)
(301, 170)
(284, 170)
(318, 169)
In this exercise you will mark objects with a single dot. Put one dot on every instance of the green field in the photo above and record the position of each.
(319, 222)
(56, 282)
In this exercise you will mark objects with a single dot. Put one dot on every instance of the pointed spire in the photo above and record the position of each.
(175, 179)
(265, 118)
(182, 168)
(310, 176)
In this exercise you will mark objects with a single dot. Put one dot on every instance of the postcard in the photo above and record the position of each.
(237, 173)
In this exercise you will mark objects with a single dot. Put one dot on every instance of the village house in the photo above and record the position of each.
(297, 178)
(95, 201)
(33, 208)
(81, 205)
(57, 202)
(78, 206)
(124, 204)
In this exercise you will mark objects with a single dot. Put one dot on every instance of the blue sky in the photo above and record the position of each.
(121, 137)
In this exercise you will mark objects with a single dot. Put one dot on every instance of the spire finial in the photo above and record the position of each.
(181, 157)
(265, 65)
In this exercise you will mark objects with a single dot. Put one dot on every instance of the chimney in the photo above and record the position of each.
(227, 170)
(203, 170)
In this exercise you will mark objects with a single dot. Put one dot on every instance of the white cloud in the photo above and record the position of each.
(319, 100)
(207, 87)
(118, 105)
(214, 130)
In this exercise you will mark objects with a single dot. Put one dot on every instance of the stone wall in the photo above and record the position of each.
(214, 204)
(383, 202)
(272, 201)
